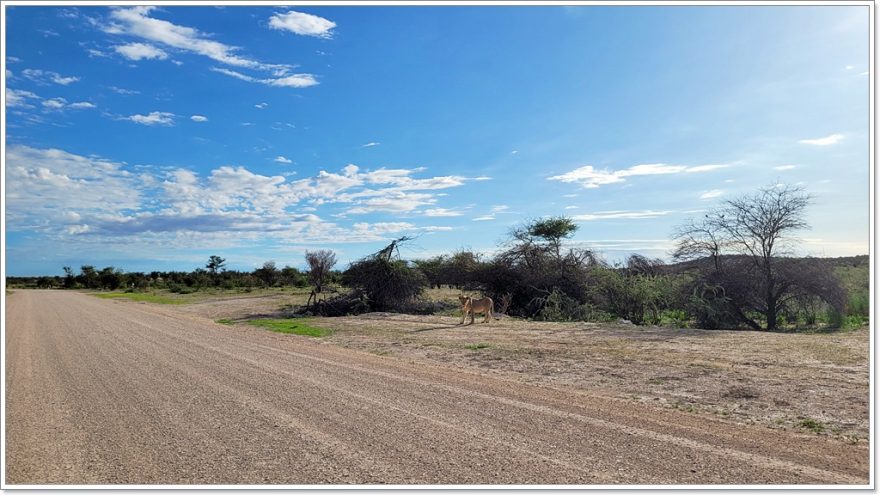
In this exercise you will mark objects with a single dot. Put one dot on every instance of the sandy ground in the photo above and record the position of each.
(108, 391)
(801, 382)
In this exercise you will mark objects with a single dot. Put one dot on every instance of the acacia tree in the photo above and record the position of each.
(535, 264)
(530, 243)
(215, 264)
(757, 227)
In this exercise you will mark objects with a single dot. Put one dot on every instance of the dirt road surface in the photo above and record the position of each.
(111, 392)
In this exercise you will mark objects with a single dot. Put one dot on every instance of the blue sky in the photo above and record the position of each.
(151, 138)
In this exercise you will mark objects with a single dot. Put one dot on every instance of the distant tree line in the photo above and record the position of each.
(730, 271)
(214, 275)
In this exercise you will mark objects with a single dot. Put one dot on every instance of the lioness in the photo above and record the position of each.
(471, 305)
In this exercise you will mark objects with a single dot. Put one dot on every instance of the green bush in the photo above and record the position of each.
(557, 306)
(674, 318)
(859, 303)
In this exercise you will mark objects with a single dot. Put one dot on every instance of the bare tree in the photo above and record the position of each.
(388, 251)
(320, 263)
(757, 227)
(699, 239)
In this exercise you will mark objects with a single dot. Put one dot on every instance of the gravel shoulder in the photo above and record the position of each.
(115, 392)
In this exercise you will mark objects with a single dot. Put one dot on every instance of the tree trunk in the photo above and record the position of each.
(771, 311)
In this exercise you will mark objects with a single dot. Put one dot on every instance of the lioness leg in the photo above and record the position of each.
(488, 313)
(465, 306)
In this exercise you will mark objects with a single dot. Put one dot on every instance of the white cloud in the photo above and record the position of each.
(302, 24)
(153, 118)
(55, 103)
(496, 209)
(823, 141)
(282, 159)
(714, 193)
(136, 21)
(18, 98)
(572, 207)
(514, 152)
(442, 212)
(53, 187)
(123, 91)
(849, 67)
(370, 145)
(703, 168)
(651, 169)
(81, 104)
(591, 178)
(607, 215)
(40, 76)
(140, 51)
(393, 201)
(199, 118)
(80, 201)
(383, 227)
(261, 105)
(482, 177)
(784, 167)
(291, 81)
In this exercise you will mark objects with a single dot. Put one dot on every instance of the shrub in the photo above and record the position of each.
(558, 306)
(385, 285)
(859, 303)
(674, 317)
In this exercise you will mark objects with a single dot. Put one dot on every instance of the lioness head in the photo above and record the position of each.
(464, 299)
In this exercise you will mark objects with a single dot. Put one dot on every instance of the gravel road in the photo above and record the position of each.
(116, 392)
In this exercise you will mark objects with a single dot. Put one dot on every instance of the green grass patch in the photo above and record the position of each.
(812, 425)
(297, 326)
(224, 321)
(140, 296)
(476, 347)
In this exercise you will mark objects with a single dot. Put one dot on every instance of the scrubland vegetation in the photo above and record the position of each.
(730, 272)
